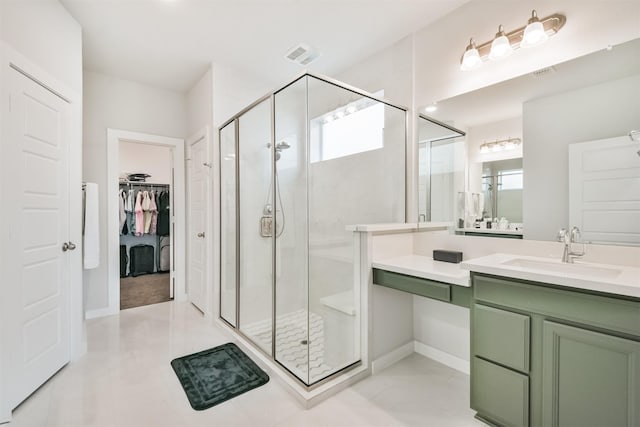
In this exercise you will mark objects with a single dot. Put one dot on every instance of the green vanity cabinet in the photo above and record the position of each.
(589, 378)
(545, 355)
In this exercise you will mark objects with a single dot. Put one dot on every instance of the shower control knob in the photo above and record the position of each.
(201, 235)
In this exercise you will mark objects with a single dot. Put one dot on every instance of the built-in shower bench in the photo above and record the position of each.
(421, 275)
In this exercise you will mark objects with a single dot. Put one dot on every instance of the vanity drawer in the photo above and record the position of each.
(415, 285)
(501, 336)
(499, 394)
(597, 310)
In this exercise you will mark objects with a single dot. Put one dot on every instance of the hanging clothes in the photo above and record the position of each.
(139, 215)
(146, 208)
(121, 213)
(129, 208)
(154, 213)
(163, 214)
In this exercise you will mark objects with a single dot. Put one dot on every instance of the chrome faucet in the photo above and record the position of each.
(569, 237)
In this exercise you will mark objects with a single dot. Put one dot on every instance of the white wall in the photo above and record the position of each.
(200, 104)
(591, 25)
(44, 32)
(153, 160)
(601, 111)
(234, 90)
(119, 104)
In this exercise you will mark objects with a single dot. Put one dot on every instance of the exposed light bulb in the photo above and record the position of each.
(500, 47)
(339, 114)
(471, 58)
(351, 109)
(534, 33)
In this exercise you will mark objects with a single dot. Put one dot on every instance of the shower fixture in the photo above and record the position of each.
(282, 145)
(268, 212)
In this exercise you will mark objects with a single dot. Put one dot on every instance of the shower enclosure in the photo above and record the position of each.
(296, 168)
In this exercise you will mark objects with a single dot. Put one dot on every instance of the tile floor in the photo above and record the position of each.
(125, 380)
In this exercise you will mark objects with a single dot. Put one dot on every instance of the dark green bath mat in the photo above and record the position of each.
(213, 376)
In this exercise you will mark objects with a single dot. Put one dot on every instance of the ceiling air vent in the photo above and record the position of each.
(544, 71)
(302, 54)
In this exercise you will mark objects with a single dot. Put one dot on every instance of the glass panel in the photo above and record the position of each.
(292, 315)
(502, 182)
(255, 190)
(446, 178)
(228, 223)
(440, 169)
(358, 178)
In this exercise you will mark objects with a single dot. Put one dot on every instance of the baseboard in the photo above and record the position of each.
(392, 357)
(99, 312)
(445, 358)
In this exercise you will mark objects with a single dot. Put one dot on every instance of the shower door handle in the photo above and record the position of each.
(200, 235)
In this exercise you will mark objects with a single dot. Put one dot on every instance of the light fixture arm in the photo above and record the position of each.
(552, 24)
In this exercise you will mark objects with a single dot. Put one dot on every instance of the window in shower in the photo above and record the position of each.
(349, 129)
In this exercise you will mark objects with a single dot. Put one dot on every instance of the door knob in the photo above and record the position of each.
(68, 246)
(201, 234)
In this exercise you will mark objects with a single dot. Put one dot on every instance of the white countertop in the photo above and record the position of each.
(489, 230)
(400, 226)
(425, 267)
(614, 279)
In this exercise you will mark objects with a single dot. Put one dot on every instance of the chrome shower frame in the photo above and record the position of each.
(275, 150)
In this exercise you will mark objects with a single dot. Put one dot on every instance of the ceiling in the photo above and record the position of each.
(170, 43)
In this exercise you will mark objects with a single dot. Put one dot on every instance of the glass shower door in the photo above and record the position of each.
(255, 190)
(228, 261)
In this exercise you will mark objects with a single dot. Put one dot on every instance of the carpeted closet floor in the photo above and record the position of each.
(144, 290)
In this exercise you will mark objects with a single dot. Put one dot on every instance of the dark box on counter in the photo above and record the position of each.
(447, 256)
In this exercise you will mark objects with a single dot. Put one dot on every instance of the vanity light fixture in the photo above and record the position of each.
(535, 32)
(500, 46)
(471, 58)
(500, 145)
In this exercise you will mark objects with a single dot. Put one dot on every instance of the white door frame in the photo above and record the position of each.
(204, 134)
(114, 136)
(78, 342)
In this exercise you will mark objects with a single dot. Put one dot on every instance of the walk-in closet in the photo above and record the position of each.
(144, 224)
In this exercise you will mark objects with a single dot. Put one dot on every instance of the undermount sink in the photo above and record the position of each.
(560, 267)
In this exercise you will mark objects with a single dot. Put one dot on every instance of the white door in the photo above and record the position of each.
(38, 276)
(604, 190)
(198, 190)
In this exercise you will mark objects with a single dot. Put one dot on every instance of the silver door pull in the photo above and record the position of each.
(72, 246)
(201, 234)
(65, 247)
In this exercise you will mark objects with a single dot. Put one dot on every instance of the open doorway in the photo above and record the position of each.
(144, 193)
(146, 223)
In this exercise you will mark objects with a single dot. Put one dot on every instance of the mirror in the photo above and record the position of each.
(588, 106)
(440, 169)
